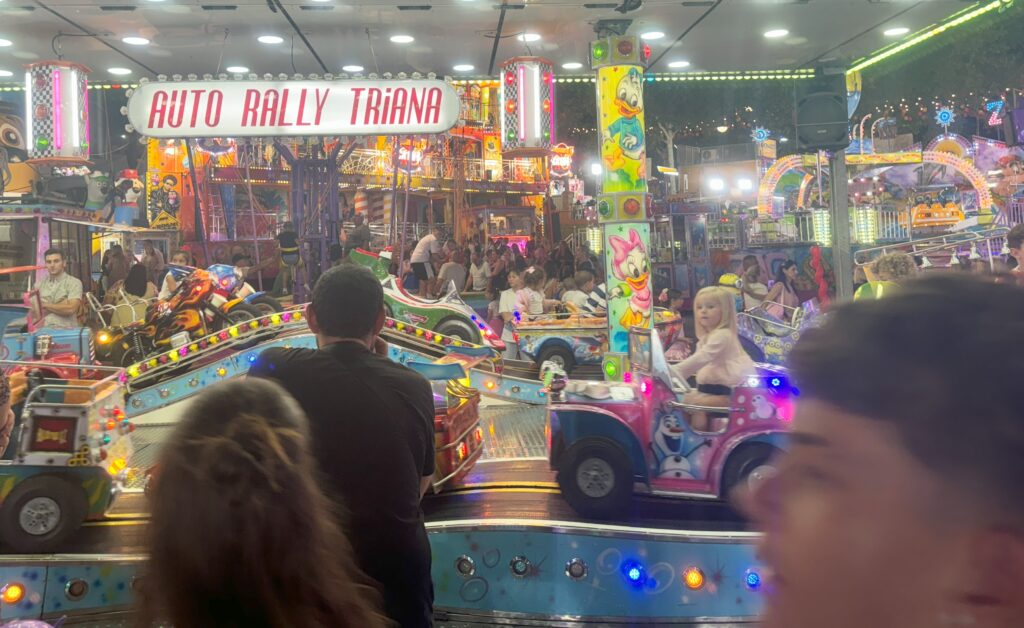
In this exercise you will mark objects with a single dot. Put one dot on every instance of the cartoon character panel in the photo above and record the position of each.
(630, 302)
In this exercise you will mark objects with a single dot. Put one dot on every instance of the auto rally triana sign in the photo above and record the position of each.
(282, 108)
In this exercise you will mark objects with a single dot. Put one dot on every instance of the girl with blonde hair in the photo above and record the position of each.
(719, 362)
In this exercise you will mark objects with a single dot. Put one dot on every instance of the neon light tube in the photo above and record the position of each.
(536, 102)
(956, 20)
(88, 133)
(502, 114)
(29, 116)
(75, 131)
(522, 103)
(551, 110)
(58, 132)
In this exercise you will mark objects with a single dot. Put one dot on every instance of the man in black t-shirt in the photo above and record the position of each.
(372, 425)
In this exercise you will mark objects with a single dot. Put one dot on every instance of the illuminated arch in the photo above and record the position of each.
(964, 167)
(771, 179)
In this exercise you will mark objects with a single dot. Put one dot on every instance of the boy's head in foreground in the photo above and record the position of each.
(900, 503)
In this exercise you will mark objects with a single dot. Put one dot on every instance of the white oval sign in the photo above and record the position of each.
(283, 108)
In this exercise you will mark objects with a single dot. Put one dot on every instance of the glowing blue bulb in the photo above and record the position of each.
(634, 574)
(776, 381)
(252, 357)
(753, 579)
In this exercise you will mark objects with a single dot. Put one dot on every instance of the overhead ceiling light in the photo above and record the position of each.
(652, 35)
(722, 129)
(6, 73)
(352, 68)
(783, 140)
(402, 39)
(896, 32)
(135, 41)
(572, 65)
(237, 69)
(776, 33)
(270, 39)
(5, 42)
(463, 67)
(679, 64)
(528, 37)
(119, 71)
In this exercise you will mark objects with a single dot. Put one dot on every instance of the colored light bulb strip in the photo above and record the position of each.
(522, 102)
(957, 19)
(428, 335)
(212, 340)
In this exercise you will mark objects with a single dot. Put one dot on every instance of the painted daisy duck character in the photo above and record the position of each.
(631, 266)
(719, 363)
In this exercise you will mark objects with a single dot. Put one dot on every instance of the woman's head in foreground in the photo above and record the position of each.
(899, 503)
(241, 535)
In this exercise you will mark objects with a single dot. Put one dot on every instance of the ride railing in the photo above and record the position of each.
(105, 312)
(983, 244)
(244, 335)
(88, 387)
(236, 337)
(868, 225)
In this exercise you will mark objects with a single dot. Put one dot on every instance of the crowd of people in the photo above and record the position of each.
(315, 480)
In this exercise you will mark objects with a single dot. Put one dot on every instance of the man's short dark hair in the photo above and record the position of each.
(942, 362)
(347, 300)
(1015, 237)
(54, 251)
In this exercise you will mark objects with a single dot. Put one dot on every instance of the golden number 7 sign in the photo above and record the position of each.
(628, 289)
(620, 105)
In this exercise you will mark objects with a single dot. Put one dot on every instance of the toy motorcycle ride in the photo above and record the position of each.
(193, 310)
(232, 289)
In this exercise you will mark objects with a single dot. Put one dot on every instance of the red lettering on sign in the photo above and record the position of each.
(177, 109)
(213, 107)
(158, 109)
(398, 106)
(372, 106)
(433, 106)
(320, 105)
(357, 92)
(284, 109)
(415, 106)
(302, 110)
(269, 108)
(196, 93)
(252, 100)
(385, 107)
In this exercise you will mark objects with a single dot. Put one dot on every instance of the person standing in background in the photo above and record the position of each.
(153, 260)
(427, 251)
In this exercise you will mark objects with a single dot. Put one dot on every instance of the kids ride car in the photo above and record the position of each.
(604, 437)
(70, 457)
(448, 315)
(571, 340)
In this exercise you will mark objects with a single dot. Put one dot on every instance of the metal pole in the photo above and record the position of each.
(252, 217)
(842, 255)
(405, 217)
(395, 220)
(198, 215)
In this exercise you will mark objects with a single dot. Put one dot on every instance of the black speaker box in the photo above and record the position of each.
(820, 112)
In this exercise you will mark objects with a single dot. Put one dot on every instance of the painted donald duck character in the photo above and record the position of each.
(624, 138)
(631, 266)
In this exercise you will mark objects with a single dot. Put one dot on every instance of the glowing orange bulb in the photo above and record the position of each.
(12, 593)
(111, 425)
(693, 577)
(490, 385)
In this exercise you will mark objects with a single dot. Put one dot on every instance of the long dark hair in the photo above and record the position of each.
(781, 275)
(136, 280)
(241, 535)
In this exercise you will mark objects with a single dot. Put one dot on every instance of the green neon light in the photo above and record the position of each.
(957, 19)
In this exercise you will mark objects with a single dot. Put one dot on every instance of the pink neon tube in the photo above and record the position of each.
(522, 102)
(58, 134)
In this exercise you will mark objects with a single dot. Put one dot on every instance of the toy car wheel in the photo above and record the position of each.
(596, 479)
(266, 305)
(40, 513)
(558, 354)
(242, 313)
(456, 329)
(749, 465)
